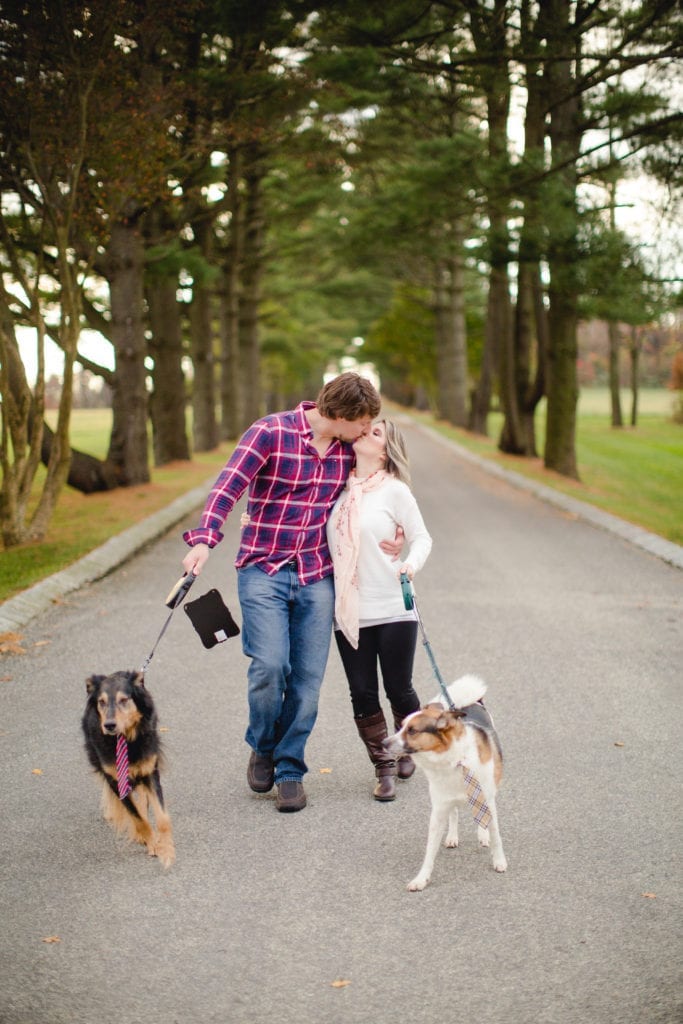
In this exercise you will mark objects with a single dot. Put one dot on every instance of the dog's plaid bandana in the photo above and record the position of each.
(122, 767)
(475, 797)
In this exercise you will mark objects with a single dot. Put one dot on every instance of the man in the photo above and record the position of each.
(294, 464)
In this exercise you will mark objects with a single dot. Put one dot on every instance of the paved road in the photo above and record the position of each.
(579, 635)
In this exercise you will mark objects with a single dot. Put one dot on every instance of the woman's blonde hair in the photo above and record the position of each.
(397, 455)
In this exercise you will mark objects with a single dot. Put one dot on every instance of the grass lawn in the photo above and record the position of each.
(82, 522)
(634, 473)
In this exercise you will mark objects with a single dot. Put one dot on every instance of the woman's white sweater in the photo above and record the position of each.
(381, 511)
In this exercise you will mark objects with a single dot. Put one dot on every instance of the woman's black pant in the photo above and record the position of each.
(391, 646)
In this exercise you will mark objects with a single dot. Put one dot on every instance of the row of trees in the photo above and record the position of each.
(248, 184)
(646, 352)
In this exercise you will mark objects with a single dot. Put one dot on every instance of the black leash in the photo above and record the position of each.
(174, 599)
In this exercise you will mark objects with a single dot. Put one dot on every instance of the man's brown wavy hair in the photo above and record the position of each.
(348, 397)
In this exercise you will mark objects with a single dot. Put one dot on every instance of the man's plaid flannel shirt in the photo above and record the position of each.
(291, 491)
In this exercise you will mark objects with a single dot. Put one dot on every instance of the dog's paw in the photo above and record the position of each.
(451, 842)
(163, 849)
(483, 836)
(167, 858)
(500, 864)
(417, 884)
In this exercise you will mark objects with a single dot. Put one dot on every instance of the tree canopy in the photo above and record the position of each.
(232, 191)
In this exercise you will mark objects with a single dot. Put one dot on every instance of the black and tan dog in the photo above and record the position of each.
(120, 708)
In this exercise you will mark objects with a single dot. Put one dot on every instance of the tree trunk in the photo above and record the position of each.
(562, 226)
(22, 421)
(124, 272)
(500, 311)
(518, 436)
(529, 333)
(634, 350)
(480, 403)
(205, 425)
(489, 28)
(614, 387)
(167, 401)
(537, 386)
(69, 331)
(451, 340)
(165, 346)
(252, 270)
(560, 450)
(499, 307)
(232, 390)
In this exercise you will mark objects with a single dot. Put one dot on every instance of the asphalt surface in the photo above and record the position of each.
(304, 918)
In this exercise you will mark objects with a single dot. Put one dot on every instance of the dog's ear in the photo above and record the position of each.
(138, 679)
(93, 681)
(447, 719)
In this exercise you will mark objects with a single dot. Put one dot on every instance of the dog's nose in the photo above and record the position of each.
(109, 727)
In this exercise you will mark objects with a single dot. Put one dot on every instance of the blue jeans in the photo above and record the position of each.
(286, 631)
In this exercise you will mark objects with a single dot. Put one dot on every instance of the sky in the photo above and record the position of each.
(92, 345)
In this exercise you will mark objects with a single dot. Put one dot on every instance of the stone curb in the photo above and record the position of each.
(18, 611)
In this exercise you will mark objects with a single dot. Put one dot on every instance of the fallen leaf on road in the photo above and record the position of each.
(10, 643)
(341, 983)
(52, 938)
(163, 728)
(649, 895)
(37, 771)
(325, 771)
(41, 643)
(618, 743)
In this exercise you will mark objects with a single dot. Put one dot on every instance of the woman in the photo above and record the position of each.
(372, 625)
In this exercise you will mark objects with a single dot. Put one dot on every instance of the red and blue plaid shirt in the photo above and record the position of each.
(291, 491)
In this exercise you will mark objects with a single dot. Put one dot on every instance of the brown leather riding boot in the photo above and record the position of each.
(405, 765)
(372, 730)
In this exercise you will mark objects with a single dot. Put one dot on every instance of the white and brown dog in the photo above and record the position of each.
(460, 754)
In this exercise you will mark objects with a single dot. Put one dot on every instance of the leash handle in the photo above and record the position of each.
(179, 590)
(408, 597)
(173, 601)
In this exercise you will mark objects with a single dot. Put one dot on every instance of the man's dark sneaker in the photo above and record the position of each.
(290, 796)
(260, 773)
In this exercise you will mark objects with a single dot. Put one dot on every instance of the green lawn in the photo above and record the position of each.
(90, 430)
(83, 522)
(634, 473)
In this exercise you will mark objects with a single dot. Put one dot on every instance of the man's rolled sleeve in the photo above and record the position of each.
(199, 536)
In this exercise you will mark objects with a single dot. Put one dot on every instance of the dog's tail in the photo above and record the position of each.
(464, 691)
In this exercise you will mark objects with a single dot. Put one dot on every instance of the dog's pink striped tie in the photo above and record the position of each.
(475, 798)
(122, 767)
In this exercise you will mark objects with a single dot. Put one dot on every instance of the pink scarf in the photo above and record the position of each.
(345, 554)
